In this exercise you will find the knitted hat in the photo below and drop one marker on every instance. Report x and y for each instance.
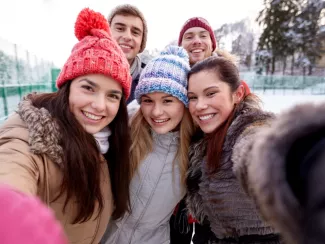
(166, 73)
(128, 9)
(198, 22)
(96, 52)
(24, 219)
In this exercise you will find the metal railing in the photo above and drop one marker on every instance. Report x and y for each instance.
(21, 73)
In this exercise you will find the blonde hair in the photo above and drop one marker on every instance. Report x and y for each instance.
(142, 142)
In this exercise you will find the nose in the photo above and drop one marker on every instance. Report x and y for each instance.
(201, 104)
(157, 110)
(99, 103)
(127, 35)
(197, 40)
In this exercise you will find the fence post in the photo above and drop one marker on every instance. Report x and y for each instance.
(18, 71)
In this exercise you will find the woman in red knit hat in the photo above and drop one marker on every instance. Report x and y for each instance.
(70, 148)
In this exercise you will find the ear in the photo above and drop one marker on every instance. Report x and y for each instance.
(238, 94)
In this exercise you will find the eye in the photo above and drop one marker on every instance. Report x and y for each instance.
(210, 94)
(118, 28)
(204, 35)
(188, 37)
(146, 100)
(192, 98)
(136, 33)
(88, 88)
(114, 96)
(168, 101)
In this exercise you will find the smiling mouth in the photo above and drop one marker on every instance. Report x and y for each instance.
(160, 121)
(125, 46)
(197, 51)
(92, 116)
(206, 117)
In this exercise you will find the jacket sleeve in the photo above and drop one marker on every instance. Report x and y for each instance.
(275, 171)
(18, 166)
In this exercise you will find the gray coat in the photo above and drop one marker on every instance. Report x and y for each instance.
(222, 198)
(155, 191)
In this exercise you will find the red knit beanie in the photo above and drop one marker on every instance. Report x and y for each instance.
(96, 52)
(197, 22)
(25, 219)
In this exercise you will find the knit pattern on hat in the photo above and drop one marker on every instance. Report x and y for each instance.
(198, 22)
(96, 52)
(166, 73)
(129, 9)
(25, 219)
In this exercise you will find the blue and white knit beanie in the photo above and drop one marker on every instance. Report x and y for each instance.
(166, 73)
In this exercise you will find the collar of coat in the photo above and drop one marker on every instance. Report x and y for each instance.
(44, 133)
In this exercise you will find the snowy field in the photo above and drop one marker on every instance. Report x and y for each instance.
(278, 102)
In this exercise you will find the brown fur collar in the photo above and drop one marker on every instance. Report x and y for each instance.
(44, 133)
(269, 182)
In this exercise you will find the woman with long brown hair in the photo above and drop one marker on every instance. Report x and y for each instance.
(229, 120)
(70, 148)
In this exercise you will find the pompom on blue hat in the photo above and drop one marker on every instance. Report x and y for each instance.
(166, 73)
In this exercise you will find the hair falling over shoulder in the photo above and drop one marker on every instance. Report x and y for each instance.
(81, 157)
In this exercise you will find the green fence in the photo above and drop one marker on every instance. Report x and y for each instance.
(21, 73)
(285, 84)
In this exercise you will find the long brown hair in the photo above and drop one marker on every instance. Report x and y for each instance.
(81, 157)
(227, 72)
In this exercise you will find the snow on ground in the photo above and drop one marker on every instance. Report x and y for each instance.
(279, 102)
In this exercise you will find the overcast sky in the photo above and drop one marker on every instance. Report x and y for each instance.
(45, 27)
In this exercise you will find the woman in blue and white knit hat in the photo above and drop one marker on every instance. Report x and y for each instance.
(161, 131)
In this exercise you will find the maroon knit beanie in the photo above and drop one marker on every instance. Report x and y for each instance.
(198, 22)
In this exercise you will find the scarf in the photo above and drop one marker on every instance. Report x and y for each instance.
(101, 138)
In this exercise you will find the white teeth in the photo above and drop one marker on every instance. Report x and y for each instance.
(124, 46)
(206, 117)
(197, 51)
(160, 120)
(92, 116)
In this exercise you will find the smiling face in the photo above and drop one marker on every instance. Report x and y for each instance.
(198, 44)
(211, 100)
(127, 30)
(162, 111)
(94, 100)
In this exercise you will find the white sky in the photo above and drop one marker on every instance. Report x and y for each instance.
(45, 27)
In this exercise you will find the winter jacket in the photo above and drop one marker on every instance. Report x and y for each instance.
(155, 191)
(31, 162)
(135, 81)
(289, 187)
(221, 199)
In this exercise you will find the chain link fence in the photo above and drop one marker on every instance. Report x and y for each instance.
(21, 72)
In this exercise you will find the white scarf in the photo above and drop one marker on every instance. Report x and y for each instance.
(135, 68)
(101, 138)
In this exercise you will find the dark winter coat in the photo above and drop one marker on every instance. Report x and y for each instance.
(222, 198)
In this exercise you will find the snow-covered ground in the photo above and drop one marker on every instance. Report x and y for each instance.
(278, 102)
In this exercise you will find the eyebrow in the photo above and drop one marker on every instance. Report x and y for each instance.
(132, 27)
(204, 89)
(97, 86)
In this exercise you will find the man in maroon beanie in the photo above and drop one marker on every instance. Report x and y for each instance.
(197, 37)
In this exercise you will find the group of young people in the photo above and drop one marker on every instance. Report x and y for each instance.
(193, 146)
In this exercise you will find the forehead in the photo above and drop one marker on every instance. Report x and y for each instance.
(203, 79)
(128, 20)
(157, 95)
(195, 30)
